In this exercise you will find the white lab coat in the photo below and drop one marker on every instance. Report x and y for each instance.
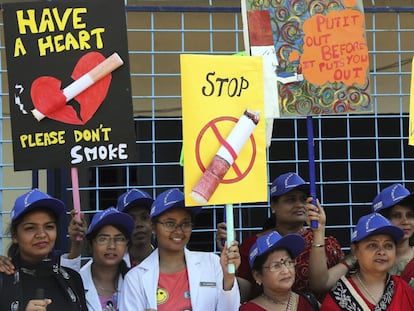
(91, 294)
(206, 284)
(127, 258)
(74, 263)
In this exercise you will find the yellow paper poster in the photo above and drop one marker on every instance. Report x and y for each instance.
(223, 129)
(411, 123)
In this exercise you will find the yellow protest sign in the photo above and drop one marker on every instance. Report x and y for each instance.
(223, 129)
(411, 122)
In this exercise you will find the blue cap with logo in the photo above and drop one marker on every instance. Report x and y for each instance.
(390, 196)
(36, 199)
(170, 199)
(293, 242)
(287, 182)
(373, 224)
(111, 216)
(133, 198)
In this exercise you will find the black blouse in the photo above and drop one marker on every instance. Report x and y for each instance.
(62, 285)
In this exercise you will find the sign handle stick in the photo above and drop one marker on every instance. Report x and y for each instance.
(75, 194)
(230, 232)
(245, 28)
(311, 155)
(223, 240)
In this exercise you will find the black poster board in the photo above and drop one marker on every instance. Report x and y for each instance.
(69, 83)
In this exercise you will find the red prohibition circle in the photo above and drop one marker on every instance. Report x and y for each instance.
(211, 125)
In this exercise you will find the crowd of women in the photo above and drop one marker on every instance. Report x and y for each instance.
(140, 260)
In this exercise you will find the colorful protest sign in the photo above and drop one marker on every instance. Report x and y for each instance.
(223, 129)
(69, 83)
(261, 44)
(323, 62)
(411, 121)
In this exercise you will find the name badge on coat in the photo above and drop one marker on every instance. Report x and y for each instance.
(208, 284)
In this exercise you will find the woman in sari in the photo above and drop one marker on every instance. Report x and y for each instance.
(396, 203)
(272, 260)
(371, 287)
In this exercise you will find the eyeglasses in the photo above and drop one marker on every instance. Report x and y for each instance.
(106, 239)
(277, 266)
(171, 226)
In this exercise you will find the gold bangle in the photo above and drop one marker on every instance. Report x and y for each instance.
(318, 245)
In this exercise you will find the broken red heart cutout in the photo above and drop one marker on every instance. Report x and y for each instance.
(48, 97)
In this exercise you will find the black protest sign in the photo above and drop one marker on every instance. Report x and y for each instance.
(69, 83)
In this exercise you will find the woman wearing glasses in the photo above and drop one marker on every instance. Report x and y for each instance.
(272, 260)
(174, 278)
(108, 236)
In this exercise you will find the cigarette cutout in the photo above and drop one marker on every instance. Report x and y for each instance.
(225, 157)
(88, 79)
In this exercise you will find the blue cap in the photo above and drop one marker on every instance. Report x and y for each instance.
(36, 199)
(390, 196)
(293, 242)
(133, 198)
(373, 224)
(111, 216)
(287, 182)
(169, 199)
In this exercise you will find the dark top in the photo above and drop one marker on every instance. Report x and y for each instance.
(63, 285)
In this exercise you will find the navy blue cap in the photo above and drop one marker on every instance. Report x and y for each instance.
(36, 199)
(390, 196)
(293, 242)
(373, 224)
(111, 216)
(132, 198)
(288, 182)
(170, 199)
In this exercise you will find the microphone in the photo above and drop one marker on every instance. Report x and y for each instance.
(40, 293)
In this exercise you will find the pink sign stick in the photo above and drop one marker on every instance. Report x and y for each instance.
(75, 194)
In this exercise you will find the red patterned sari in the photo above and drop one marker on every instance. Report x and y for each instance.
(346, 296)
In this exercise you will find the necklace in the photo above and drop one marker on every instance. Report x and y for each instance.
(106, 290)
(101, 289)
(277, 302)
(366, 290)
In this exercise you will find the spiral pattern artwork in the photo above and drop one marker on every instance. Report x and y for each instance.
(334, 82)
